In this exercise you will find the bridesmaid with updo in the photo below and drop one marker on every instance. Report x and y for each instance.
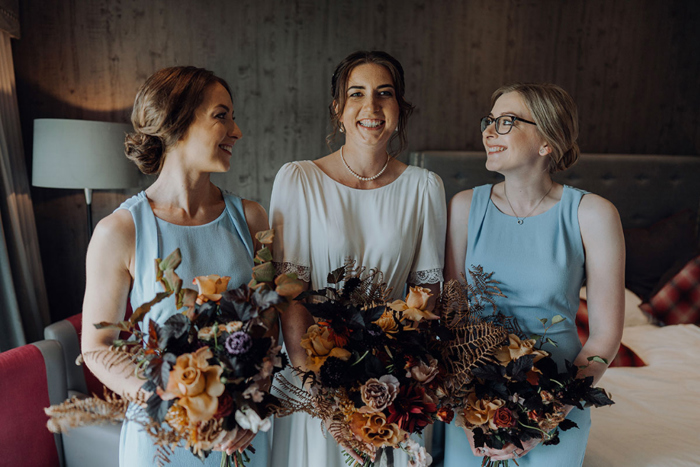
(184, 130)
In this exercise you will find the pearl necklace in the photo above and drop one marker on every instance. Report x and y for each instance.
(358, 176)
(522, 219)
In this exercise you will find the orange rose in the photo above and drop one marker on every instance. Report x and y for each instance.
(478, 412)
(210, 287)
(373, 429)
(518, 348)
(195, 384)
(387, 322)
(320, 344)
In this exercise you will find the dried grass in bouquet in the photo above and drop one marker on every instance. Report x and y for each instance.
(207, 370)
(373, 374)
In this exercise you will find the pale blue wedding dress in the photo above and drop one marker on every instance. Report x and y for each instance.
(540, 265)
(224, 247)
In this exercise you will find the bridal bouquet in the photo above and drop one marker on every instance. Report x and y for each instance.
(374, 369)
(513, 391)
(207, 370)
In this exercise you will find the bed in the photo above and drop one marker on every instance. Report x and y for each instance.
(655, 421)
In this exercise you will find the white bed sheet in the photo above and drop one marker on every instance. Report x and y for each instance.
(655, 421)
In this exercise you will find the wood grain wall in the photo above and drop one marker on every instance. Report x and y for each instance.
(632, 66)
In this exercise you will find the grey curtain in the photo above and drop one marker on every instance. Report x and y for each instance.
(23, 301)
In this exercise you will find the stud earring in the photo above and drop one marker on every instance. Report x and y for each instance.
(543, 151)
(342, 128)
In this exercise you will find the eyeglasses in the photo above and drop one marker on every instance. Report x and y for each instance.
(504, 123)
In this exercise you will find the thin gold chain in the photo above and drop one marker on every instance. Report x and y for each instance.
(522, 219)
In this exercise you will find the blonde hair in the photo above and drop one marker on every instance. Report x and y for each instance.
(556, 116)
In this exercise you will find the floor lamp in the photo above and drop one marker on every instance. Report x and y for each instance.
(82, 154)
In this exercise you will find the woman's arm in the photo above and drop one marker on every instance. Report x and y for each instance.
(256, 218)
(604, 245)
(295, 321)
(109, 264)
(456, 245)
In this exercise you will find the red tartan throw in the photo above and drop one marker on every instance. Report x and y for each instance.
(678, 301)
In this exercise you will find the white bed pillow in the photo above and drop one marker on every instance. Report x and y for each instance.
(634, 316)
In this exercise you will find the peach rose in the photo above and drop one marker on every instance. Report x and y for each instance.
(373, 429)
(424, 372)
(415, 308)
(320, 345)
(195, 384)
(518, 348)
(210, 287)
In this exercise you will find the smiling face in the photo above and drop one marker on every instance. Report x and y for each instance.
(371, 112)
(522, 148)
(208, 142)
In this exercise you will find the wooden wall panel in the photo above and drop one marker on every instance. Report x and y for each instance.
(631, 66)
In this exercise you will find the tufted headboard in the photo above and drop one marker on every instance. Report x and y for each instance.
(644, 188)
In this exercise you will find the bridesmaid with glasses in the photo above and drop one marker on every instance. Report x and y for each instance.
(542, 240)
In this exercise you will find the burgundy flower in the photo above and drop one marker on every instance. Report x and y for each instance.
(225, 405)
(411, 409)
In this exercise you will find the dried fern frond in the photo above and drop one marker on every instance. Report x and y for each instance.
(372, 288)
(116, 358)
(77, 412)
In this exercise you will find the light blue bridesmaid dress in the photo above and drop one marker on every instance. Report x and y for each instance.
(540, 265)
(224, 247)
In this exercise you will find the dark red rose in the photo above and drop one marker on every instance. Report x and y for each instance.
(225, 405)
(504, 418)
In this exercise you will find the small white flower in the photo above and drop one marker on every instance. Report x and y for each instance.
(248, 419)
(419, 457)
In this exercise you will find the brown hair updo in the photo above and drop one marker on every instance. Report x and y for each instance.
(339, 85)
(164, 108)
(556, 116)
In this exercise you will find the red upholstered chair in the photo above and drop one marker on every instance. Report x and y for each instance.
(91, 445)
(32, 377)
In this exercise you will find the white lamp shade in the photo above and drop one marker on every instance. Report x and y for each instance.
(82, 154)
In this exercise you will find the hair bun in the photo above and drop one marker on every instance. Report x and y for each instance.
(569, 158)
(145, 151)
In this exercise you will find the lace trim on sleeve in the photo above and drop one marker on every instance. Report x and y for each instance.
(430, 276)
(303, 272)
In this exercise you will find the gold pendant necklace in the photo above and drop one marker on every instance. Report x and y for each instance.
(522, 219)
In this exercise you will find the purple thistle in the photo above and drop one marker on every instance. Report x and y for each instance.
(238, 343)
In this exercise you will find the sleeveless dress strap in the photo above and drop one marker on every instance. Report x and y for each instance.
(234, 207)
(481, 198)
(146, 242)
